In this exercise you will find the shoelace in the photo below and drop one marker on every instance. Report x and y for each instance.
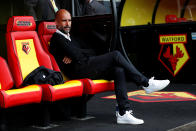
(130, 111)
(152, 78)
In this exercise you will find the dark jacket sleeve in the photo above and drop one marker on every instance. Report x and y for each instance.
(60, 47)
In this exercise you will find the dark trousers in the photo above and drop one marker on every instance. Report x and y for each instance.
(115, 66)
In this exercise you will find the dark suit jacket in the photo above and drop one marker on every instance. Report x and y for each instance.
(61, 47)
(40, 9)
(95, 8)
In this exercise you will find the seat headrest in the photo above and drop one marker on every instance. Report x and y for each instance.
(21, 23)
(171, 19)
(47, 28)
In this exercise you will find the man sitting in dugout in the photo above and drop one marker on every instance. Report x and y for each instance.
(83, 63)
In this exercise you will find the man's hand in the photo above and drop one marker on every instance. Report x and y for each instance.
(67, 60)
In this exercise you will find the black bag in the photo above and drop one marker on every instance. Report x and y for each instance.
(42, 75)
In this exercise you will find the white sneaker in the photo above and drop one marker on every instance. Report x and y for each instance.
(156, 85)
(128, 118)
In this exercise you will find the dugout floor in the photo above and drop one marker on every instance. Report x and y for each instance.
(177, 115)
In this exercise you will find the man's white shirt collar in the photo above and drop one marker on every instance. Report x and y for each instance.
(65, 35)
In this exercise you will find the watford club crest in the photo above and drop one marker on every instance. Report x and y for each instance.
(161, 96)
(173, 54)
(26, 47)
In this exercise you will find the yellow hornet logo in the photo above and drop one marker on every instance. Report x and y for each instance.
(173, 54)
(25, 47)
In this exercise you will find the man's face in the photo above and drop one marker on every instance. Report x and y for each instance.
(64, 22)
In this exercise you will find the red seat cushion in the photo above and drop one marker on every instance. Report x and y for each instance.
(97, 86)
(14, 97)
(67, 90)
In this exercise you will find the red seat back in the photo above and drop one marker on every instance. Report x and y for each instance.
(45, 32)
(24, 49)
(6, 81)
(171, 19)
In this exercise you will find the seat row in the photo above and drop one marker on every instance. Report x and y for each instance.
(25, 52)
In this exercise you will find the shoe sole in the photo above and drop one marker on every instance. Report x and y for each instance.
(120, 122)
